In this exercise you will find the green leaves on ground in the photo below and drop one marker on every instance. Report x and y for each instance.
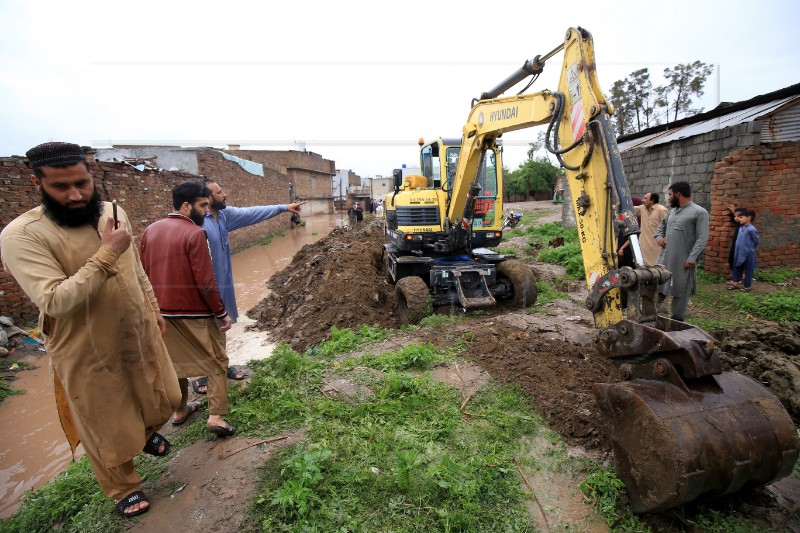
(402, 457)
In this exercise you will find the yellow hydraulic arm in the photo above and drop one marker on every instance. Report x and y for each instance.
(577, 107)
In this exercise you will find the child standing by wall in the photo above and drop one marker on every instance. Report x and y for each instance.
(744, 258)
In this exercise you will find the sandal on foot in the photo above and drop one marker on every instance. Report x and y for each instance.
(234, 373)
(223, 431)
(200, 382)
(192, 407)
(154, 443)
(745, 289)
(130, 500)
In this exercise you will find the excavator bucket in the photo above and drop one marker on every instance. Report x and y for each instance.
(674, 445)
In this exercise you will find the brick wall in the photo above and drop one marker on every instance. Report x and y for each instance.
(766, 179)
(146, 197)
(245, 189)
(652, 169)
(309, 172)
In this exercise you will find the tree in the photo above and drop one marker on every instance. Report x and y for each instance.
(620, 99)
(637, 103)
(642, 98)
(537, 175)
(683, 81)
(634, 102)
(537, 146)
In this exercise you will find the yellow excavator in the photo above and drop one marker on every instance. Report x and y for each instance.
(681, 428)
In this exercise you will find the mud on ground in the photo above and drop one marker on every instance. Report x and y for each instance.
(339, 281)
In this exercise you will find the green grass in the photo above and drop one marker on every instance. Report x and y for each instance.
(776, 275)
(607, 493)
(8, 369)
(547, 292)
(713, 306)
(346, 340)
(569, 255)
(401, 459)
(398, 456)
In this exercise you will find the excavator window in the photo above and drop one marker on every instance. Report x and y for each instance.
(451, 159)
(430, 164)
(485, 202)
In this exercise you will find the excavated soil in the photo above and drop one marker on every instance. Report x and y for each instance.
(337, 281)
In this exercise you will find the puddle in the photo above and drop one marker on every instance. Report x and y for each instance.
(34, 450)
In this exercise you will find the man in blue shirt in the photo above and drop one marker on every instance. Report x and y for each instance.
(220, 220)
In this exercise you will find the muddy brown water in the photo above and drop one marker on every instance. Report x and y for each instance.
(34, 450)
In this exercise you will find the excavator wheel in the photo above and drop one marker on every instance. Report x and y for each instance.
(522, 282)
(413, 301)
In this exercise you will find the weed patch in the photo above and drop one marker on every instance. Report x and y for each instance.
(403, 459)
(547, 292)
(346, 340)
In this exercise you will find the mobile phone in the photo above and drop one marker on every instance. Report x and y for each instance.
(114, 213)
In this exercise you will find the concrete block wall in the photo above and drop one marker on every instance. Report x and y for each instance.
(653, 169)
(766, 179)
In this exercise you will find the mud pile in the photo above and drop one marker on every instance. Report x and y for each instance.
(337, 281)
(770, 354)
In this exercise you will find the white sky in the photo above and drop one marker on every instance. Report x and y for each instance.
(358, 82)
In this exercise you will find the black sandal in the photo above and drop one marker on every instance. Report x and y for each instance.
(154, 443)
(132, 499)
(200, 382)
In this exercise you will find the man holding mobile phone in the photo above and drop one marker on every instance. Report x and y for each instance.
(114, 383)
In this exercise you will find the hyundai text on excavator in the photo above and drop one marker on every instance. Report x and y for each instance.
(681, 428)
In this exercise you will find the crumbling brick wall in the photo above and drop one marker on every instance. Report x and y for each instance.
(146, 196)
(309, 173)
(245, 189)
(766, 179)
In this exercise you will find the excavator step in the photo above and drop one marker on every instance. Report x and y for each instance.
(484, 299)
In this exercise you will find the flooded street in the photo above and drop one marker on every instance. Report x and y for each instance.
(34, 448)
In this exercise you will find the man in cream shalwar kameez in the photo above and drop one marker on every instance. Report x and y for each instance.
(115, 384)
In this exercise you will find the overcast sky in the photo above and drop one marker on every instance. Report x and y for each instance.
(357, 82)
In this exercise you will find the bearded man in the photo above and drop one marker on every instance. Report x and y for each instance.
(683, 236)
(176, 258)
(114, 383)
(221, 219)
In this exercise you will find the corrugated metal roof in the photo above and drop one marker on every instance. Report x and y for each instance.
(782, 124)
(698, 128)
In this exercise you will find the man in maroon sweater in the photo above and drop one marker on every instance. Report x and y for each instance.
(176, 258)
